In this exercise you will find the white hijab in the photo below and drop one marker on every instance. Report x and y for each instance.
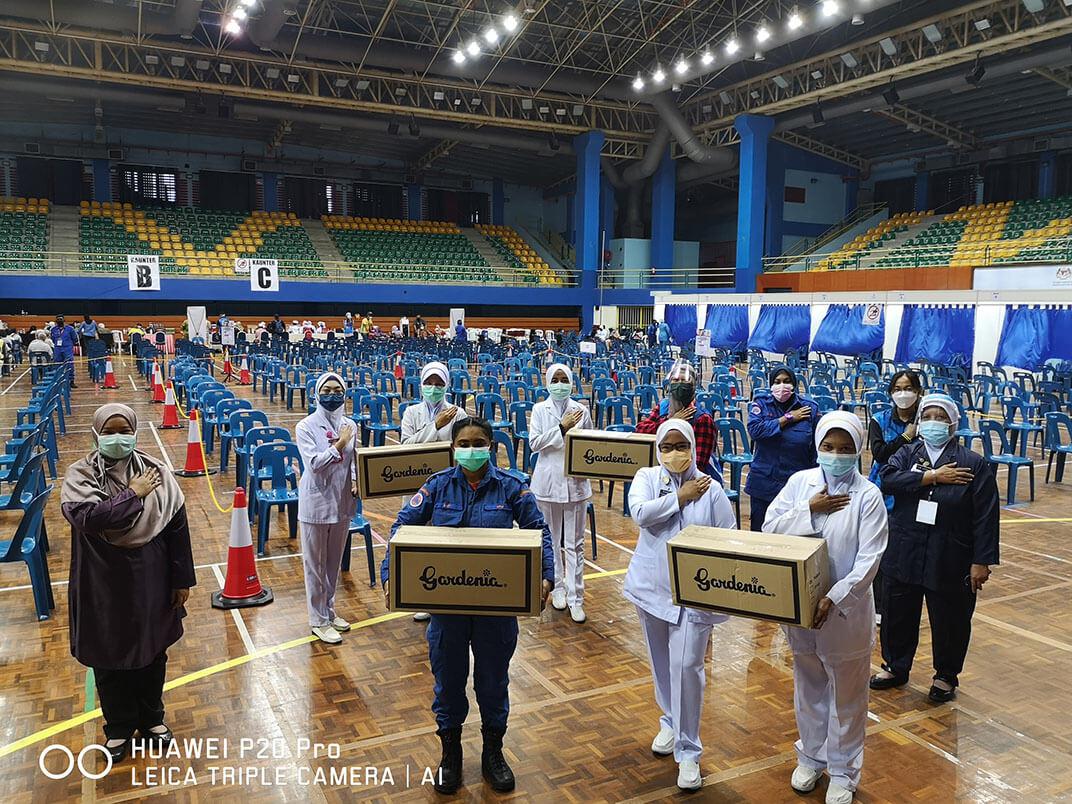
(686, 430)
(849, 423)
(333, 418)
(559, 405)
(947, 404)
(439, 370)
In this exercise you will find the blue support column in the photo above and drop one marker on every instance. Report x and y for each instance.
(271, 191)
(1047, 180)
(663, 207)
(755, 131)
(413, 202)
(773, 231)
(607, 210)
(498, 203)
(852, 194)
(570, 234)
(102, 180)
(923, 191)
(585, 220)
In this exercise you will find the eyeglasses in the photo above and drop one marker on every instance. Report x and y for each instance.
(666, 449)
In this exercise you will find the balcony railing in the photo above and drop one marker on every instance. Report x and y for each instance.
(671, 279)
(1037, 253)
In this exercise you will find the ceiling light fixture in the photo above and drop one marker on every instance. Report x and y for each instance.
(732, 46)
(247, 3)
(888, 46)
(233, 28)
(458, 57)
(795, 21)
(762, 34)
(707, 58)
(240, 13)
(932, 33)
(638, 83)
(857, 19)
(829, 8)
(491, 36)
(510, 22)
(681, 67)
(473, 49)
(1034, 6)
(758, 56)
(658, 76)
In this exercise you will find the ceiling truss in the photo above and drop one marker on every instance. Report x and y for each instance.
(918, 121)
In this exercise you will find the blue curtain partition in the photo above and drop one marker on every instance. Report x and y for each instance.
(1033, 335)
(728, 325)
(843, 332)
(937, 334)
(781, 327)
(681, 318)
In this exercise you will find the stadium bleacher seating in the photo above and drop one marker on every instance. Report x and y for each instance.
(23, 233)
(1036, 230)
(193, 241)
(519, 254)
(392, 249)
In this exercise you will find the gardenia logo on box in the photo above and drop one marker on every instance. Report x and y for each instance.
(431, 581)
(389, 474)
(591, 457)
(705, 583)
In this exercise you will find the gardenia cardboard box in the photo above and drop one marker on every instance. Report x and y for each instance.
(466, 571)
(603, 455)
(399, 470)
(764, 576)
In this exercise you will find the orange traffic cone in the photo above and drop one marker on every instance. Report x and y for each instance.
(243, 376)
(171, 411)
(158, 383)
(109, 376)
(195, 457)
(228, 370)
(242, 587)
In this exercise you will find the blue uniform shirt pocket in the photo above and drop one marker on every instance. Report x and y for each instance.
(496, 515)
(447, 514)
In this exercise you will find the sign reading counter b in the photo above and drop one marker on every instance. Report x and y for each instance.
(603, 455)
(764, 576)
(485, 571)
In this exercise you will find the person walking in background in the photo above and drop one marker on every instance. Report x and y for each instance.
(64, 338)
(460, 331)
(653, 332)
(664, 334)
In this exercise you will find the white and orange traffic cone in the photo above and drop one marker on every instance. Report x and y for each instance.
(171, 410)
(195, 456)
(243, 376)
(109, 376)
(242, 587)
(158, 383)
(228, 369)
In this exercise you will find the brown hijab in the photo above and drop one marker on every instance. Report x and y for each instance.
(96, 479)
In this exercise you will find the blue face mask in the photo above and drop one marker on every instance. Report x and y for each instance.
(934, 433)
(837, 465)
(332, 401)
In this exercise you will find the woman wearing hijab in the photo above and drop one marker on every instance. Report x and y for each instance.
(431, 419)
(894, 427)
(943, 541)
(832, 661)
(562, 500)
(680, 404)
(326, 501)
(781, 424)
(663, 500)
(131, 573)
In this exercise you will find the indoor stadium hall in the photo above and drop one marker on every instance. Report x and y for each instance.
(536, 400)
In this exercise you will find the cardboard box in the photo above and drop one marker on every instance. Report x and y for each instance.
(399, 469)
(602, 455)
(764, 576)
(486, 571)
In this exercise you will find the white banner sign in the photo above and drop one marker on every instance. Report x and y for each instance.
(197, 322)
(241, 266)
(143, 271)
(588, 347)
(703, 343)
(1035, 277)
(456, 314)
(227, 334)
(263, 275)
(872, 315)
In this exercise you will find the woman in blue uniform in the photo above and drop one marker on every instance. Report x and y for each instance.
(894, 427)
(943, 540)
(781, 424)
(473, 494)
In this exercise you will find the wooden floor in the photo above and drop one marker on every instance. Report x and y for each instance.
(583, 714)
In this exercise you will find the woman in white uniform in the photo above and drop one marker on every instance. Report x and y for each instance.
(832, 662)
(326, 501)
(430, 420)
(562, 500)
(664, 499)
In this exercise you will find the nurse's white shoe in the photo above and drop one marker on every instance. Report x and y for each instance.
(804, 779)
(421, 616)
(836, 794)
(688, 775)
(663, 744)
(577, 614)
(558, 599)
(327, 633)
(339, 624)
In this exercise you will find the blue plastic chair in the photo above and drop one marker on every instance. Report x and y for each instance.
(1005, 457)
(386, 385)
(460, 387)
(239, 424)
(1018, 422)
(647, 397)
(379, 422)
(504, 439)
(736, 450)
(359, 524)
(615, 410)
(492, 407)
(590, 510)
(209, 417)
(11, 464)
(519, 415)
(47, 426)
(275, 461)
(517, 391)
(26, 545)
(295, 382)
(1057, 446)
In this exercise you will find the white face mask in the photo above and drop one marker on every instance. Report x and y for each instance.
(904, 399)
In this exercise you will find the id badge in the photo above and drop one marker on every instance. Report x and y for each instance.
(927, 513)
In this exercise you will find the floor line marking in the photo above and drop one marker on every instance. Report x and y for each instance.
(1045, 640)
(133, 384)
(603, 538)
(159, 443)
(1036, 553)
(13, 382)
(240, 624)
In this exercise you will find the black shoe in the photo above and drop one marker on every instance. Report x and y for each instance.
(118, 752)
(449, 775)
(163, 738)
(492, 762)
(879, 683)
(940, 696)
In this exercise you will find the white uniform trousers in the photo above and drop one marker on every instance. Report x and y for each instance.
(566, 523)
(322, 548)
(676, 653)
(831, 708)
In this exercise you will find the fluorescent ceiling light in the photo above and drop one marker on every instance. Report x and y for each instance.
(762, 34)
(458, 57)
(491, 36)
(829, 8)
(473, 49)
(510, 22)
(732, 46)
(681, 67)
(709, 57)
(795, 21)
(638, 83)
(658, 76)
(232, 27)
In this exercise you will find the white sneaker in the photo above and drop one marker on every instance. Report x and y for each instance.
(421, 616)
(340, 624)
(836, 794)
(804, 779)
(663, 744)
(577, 613)
(688, 775)
(558, 599)
(327, 633)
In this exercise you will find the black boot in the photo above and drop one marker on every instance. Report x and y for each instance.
(493, 763)
(449, 775)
